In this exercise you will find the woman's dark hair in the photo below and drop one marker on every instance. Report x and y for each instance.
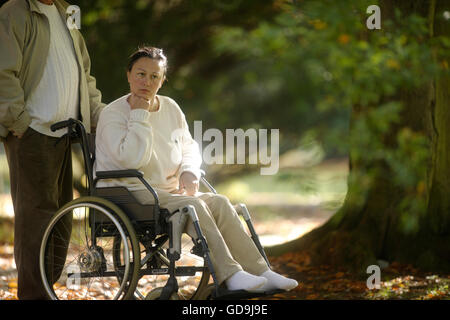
(149, 52)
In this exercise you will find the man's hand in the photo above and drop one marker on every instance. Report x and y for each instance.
(18, 135)
(188, 183)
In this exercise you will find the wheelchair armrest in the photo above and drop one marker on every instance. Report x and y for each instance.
(115, 174)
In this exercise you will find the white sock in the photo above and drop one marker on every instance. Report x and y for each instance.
(277, 281)
(242, 280)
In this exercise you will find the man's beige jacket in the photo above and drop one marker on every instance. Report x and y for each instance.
(24, 46)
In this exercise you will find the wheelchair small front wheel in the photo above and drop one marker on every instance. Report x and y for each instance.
(76, 253)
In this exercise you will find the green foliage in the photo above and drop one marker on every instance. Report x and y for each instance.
(297, 66)
(327, 63)
(301, 66)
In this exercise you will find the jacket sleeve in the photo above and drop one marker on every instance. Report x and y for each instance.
(191, 157)
(127, 142)
(95, 96)
(13, 116)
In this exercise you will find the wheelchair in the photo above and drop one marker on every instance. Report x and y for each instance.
(105, 245)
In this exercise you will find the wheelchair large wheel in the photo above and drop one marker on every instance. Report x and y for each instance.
(192, 273)
(76, 259)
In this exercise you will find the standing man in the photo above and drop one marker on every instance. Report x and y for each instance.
(44, 78)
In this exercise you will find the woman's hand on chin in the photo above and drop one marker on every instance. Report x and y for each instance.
(138, 102)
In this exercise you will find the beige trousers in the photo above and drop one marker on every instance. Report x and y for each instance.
(231, 248)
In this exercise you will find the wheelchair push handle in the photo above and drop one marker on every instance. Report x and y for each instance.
(62, 124)
(75, 129)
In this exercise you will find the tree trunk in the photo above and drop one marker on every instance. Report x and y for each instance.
(369, 226)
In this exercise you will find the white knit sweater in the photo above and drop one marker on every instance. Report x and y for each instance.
(157, 143)
(56, 96)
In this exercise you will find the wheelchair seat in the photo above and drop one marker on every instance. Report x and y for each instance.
(124, 199)
(148, 219)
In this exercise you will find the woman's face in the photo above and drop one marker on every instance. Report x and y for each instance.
(146, 77)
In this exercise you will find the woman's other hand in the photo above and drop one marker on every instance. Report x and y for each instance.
(188, 183)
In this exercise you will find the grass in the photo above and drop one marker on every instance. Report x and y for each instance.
(323, 184)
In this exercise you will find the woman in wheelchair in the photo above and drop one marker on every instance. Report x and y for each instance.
(148, 132)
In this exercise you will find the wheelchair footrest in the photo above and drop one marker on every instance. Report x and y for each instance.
(225, 294)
